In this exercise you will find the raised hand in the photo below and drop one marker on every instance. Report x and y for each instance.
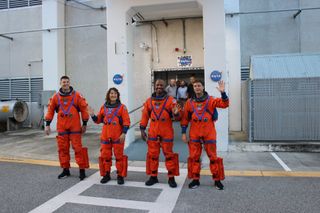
(221, 86)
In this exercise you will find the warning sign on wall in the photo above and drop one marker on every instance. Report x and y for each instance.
(185, 61)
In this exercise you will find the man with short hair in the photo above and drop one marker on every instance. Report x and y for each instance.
(182, 94)
(190, 90)
(171, 89)
(160, 108)
(200, 111)
(68, 104)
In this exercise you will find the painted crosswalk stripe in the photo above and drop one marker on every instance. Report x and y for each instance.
(165, 202)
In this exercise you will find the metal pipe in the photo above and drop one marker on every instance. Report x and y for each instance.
(184, 36)
(156, 40)
(56, 28)
(168, 19)
(7, 37)
(30, 93)
(273, 11)
(89, 6)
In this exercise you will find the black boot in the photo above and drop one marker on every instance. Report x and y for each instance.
(64, 173)
(172, 183)
(120, 180)
(82, 174)
(152, 180)
(106, 178)
(218, 184)
(194, 184)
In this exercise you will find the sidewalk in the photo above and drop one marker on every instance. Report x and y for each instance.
(28, 145)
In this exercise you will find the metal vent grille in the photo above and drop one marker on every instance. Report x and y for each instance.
(3, 4)
(4, 89)
(36, 88)
(245, 73)
(8, 4)
(285, 109)
(11, 89)
(35, 2)
(20, 89)
(18, 3)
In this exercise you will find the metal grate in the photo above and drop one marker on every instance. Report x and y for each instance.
(18, 3)
(8, 4)
(36, 88)
(18, 88)
(4, 89)
(245, 73)
(35, 2)
(285, 109)
(3, 4)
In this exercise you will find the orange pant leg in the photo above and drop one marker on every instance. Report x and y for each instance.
(106, 156)
(172, 161)
(63, 150)
(153, 158)
(216, 163)
(194, 165)
(77, 147)
(118, 153)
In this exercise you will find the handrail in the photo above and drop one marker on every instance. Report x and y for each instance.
(131, 111)
(135, 109)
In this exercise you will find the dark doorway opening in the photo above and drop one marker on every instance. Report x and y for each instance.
(178, 75)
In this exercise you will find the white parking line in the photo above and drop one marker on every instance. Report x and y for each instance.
(284, 166)
(164, 203)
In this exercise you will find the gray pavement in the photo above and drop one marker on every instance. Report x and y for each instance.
(251, 183)
(25, 187)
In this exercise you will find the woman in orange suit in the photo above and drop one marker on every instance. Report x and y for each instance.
(200, 112)
(115, 117)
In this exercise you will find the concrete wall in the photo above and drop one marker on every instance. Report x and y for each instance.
(273, 33)
(86, 51)
(171, 36)
(142, 64)
(25, 48)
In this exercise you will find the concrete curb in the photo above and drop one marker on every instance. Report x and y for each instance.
(274, 147)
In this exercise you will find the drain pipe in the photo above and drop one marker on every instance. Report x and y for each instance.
(156, 40)
(184, 36)
(30, 92)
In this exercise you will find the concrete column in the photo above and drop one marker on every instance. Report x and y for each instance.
(120, 48)
(53, 45)
(233, 63)
(215, 59)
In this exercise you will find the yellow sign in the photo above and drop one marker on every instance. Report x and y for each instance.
(5, 109)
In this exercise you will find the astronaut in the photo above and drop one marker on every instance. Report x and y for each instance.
(200, 112)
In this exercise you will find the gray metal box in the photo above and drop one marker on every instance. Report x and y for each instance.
(45, 96)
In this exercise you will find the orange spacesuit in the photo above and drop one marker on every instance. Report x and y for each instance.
(160, 111)
(68, 105)
(201, 113)
(116, 121)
